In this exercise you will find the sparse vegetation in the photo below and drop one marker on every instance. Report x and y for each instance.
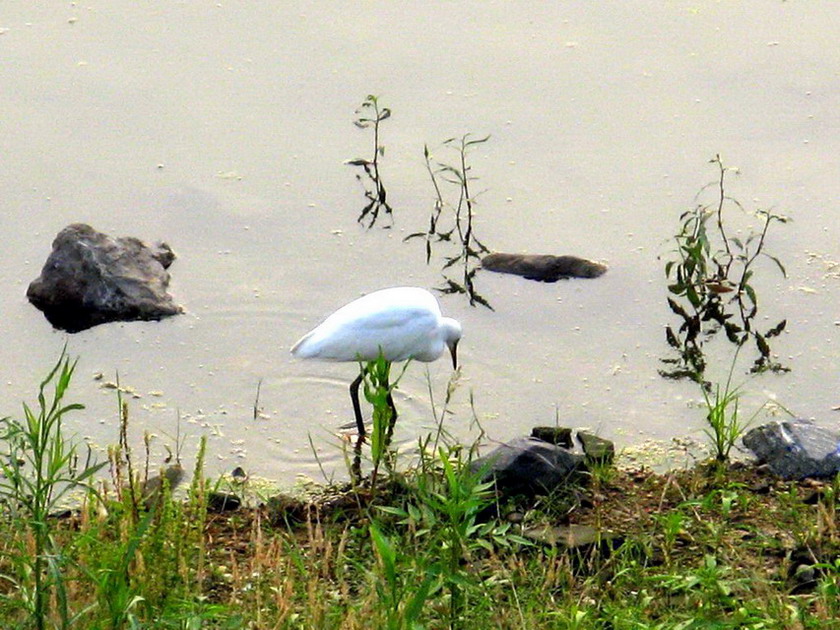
(449, 222)
(708, 547)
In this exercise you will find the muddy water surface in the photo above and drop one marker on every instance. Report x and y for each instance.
(223, 128)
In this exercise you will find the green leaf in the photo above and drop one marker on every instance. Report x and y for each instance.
(777, 329)
(692, 296)
(671, 338)
(389, 509)
(469, 143)
(779, 264)
(386, 553)
(415, 605)
(679, 310)
(519, 540)
(763, 346)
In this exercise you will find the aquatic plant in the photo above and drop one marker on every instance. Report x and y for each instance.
(458, 217)
(370, 116)
(711, 285)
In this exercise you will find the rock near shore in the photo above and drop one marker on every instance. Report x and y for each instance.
(528, 466)
(91, 278)
(795, 449)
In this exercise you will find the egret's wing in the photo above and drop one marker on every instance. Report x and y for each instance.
(400, 331)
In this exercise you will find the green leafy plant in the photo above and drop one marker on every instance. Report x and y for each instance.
(710, 584)
(378, 390)
(711, 282)
(447, 498)
(399, 595)
(673, 524)
(725, 426)
(370, 116)
(118, 598)
(711, 286)
(41, 468)
(146, 560)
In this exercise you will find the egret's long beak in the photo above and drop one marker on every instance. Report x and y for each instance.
(453, 348)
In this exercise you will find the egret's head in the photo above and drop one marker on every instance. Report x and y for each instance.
(452, 335)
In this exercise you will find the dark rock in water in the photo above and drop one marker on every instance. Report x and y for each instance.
(91, 278)
(795, 449)
(528, 466)
(561, 436)
(543, 267)
(597, 449)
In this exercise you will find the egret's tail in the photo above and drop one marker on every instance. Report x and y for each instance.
(300, 349)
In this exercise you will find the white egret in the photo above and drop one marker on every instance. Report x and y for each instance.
(400, 323)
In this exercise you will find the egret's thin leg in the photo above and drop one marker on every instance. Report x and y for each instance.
(393, 409)
(356, 467)
(357, 408)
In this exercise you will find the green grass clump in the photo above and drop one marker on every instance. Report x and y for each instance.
(37, 471)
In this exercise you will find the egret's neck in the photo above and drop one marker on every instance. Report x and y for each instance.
(451, 329)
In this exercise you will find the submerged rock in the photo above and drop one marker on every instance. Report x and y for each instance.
(527, 465)
(543, 267)
(91, 278)
(795, 449)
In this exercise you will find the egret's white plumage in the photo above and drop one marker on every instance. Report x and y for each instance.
(403, 322)
(400, 324)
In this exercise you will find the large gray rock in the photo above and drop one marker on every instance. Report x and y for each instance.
(529, 466)
(795, 449)
(91, 278)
